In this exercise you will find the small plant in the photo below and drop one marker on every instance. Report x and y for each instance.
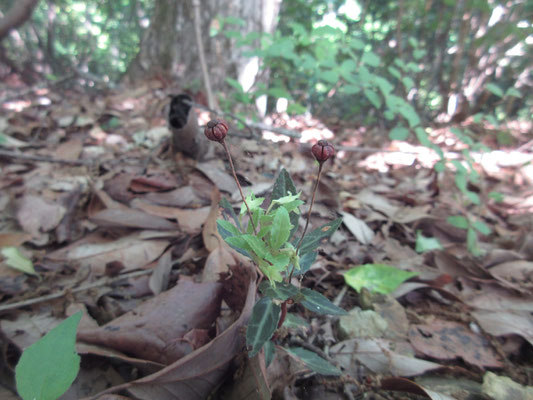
(268, 240)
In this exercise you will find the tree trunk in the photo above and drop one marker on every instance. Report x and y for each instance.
(168, 48)
(19, 13)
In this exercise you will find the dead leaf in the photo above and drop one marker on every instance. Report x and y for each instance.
(358, 228)
(13, 239)
(182, 197)
(448, 340)
(499, 323)
(196, 375)
(69, 150)
(95, 252)
(35, 215)
(190, 221)
(159, 279)
(210, 234)
(405, 385)
(380, 356)
(217, 262)
(153, 331)
(131, 218)
(218, 176)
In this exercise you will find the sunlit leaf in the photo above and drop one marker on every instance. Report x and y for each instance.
(48, 367)
(15, 259)
(379, 278)
(424, 244)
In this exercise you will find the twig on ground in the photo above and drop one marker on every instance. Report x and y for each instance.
(28, 157)
(52, 296)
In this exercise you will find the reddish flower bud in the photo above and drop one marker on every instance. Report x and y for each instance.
(216, 130)
(323, 151)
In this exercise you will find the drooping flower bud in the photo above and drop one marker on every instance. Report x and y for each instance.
(216, 130)
(322, 151)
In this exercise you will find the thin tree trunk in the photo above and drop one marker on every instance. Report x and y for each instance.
(19, 13)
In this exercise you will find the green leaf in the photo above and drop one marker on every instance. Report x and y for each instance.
(394, 72)
(228, 210)
(314, 362)
(440, 166)
(320, 304)
(399, 133)
(15, 259)
(494, 89)
(424, 244)
(228, 226)
(262, 324)
(356, 44)
(473, 197)
(270, 352)
(330, 76)
(256, 245)
(497, 196)
(471, 242)
(379, 278)
(458, 221)
(253, 202)
(313, 239)
(238, 243)
(294, 321)
(305, 262)
(283, 186)
(48, 367)
(408, 82)
(235, 84)
(513, 92)
(422, 137)
(371, 59)
(481, 228)
(373, 98)
(281, 228)
(282, 292)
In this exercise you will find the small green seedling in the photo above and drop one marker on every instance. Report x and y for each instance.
(268, 240)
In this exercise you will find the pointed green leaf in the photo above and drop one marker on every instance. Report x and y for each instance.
(283, 186)
(379, 278)
(494, 89)
(256, 245)
(281, 228)
(424, 244)
(48, 367)
(15, 259)
(262, 324)
(481, 227)
(313, 239)
(282, 292)
(371, 59)
(373, 98)
(228, 226)
(458, 221)
(229, 211)
(270, 352)
(305, 262)
(399, 133)
(320, 304)
(314, 361)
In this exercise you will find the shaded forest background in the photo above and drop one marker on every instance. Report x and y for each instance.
(401, 64)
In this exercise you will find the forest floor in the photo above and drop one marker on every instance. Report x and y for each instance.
(116, 226)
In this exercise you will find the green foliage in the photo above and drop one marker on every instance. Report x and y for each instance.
(269, 246)
(424, 244)
(379, 278)
(15, 259)
(263, 322)
(313, 361)
(48, 367)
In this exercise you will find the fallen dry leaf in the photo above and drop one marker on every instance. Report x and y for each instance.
(448, 340)
(154, 330)
(358, 228)
(96, 251)
(36, 216)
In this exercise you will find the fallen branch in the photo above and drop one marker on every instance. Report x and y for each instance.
(28, 157)
(52, 296)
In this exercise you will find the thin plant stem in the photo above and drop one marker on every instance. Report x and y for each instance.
(308, 215)
(237, 182)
